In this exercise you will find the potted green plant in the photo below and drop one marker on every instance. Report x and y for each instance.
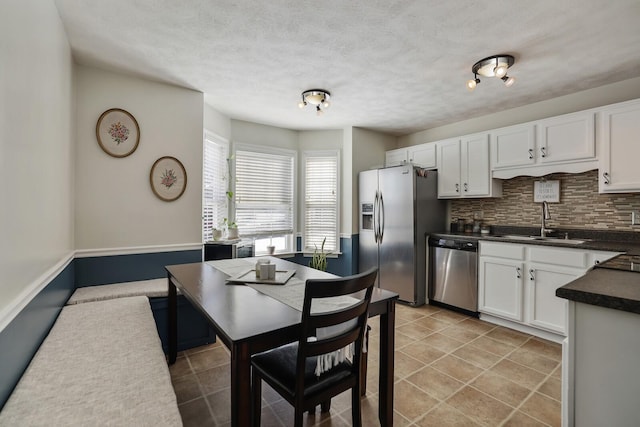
(319, 259)
(231, 228)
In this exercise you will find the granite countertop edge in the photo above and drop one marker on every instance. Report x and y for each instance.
(618, 290)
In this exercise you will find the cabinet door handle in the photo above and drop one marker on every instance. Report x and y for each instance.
(531, 276)
(543, 151)
(457, 188)
(607, 178)
(466, 187)
(518, 275)
(530, 154)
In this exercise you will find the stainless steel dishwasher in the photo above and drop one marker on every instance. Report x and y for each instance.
(454, 278)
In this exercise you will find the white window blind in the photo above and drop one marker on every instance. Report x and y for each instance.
(321, 200)
(214, 185)
(264, 192)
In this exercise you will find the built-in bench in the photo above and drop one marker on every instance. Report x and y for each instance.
(193, 329)
(154, 288)
(102, 363)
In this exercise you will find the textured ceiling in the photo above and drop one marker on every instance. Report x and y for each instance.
(392, 66)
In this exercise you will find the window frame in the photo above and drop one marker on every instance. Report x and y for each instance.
(211, 137)
(259, 240)
(307, 250)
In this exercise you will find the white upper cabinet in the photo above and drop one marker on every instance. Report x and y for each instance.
(423, 155)
(464, 168)
(619, 133)
(568, 138)
(559, 144)
(513, 146)
(396, 157)
(449, 168)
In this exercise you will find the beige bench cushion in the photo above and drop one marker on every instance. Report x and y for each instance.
(101, 364)
(149, 288)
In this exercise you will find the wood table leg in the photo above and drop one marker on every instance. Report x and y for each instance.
(240, 385)
(173, 322)
(387, 348)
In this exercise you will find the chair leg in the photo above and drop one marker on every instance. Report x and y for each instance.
(325, 406)
(297, 421)
(356, 416)
(256, 404)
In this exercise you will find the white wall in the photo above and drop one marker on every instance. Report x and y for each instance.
(257, 134)
(368, 153)
(36, 147)
(591, 98)
(217, 122)
(115, 207)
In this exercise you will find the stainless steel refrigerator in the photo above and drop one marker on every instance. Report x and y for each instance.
(398, 206)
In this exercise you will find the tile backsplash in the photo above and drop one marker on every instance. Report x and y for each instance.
(581, 206)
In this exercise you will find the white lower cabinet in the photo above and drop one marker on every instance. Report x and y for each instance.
(518, 282)
(502, 288)
(545, 309)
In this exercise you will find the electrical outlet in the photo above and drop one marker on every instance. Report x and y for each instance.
(635, 217)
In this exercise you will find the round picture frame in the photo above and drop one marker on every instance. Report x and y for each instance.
(168, 178)
(117, 132)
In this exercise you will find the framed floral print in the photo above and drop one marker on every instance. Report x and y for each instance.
(168, 178)
(117, 132)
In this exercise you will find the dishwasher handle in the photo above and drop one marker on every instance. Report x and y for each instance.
(460, 245)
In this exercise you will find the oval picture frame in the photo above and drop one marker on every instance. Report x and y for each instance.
(117, 132)
(168, 178)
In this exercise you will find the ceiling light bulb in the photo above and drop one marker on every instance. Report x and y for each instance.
(501, 70)
(301, 104)
(319, 111)
(325, 104)
(471, 84)
(508, 81)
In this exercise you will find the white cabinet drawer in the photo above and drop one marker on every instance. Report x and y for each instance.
(502, 250)
(560, 256)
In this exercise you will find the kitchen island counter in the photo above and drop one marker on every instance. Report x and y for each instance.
(619, 290)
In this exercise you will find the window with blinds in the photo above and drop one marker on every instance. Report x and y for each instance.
(321, 196)
(265, 195)
(214, 184)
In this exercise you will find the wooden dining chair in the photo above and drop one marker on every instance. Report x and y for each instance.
(290, 369)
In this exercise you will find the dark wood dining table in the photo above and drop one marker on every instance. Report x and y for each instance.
(249, 322)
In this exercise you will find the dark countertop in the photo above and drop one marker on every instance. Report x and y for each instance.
(619, 290)
(592, 241)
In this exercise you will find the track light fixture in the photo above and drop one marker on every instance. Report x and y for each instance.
(317, 97)
(492, 66)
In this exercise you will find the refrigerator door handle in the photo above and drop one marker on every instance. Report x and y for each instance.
(375, 217)
(381, 220)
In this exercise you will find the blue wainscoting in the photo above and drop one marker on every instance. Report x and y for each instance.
(102, 270)
(20, 339)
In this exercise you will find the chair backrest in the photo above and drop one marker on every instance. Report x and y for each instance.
(350, 320)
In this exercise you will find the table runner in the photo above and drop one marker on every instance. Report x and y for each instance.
(291, 293)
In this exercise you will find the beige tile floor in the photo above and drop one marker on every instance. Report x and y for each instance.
(450, 370)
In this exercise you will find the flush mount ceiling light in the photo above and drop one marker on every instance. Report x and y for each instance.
(492, 66)
(317, 97)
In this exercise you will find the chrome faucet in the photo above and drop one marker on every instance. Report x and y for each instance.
(545, 216)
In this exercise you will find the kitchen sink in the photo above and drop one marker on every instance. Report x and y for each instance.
(517, 237)
(560, 240)
(540, 238)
